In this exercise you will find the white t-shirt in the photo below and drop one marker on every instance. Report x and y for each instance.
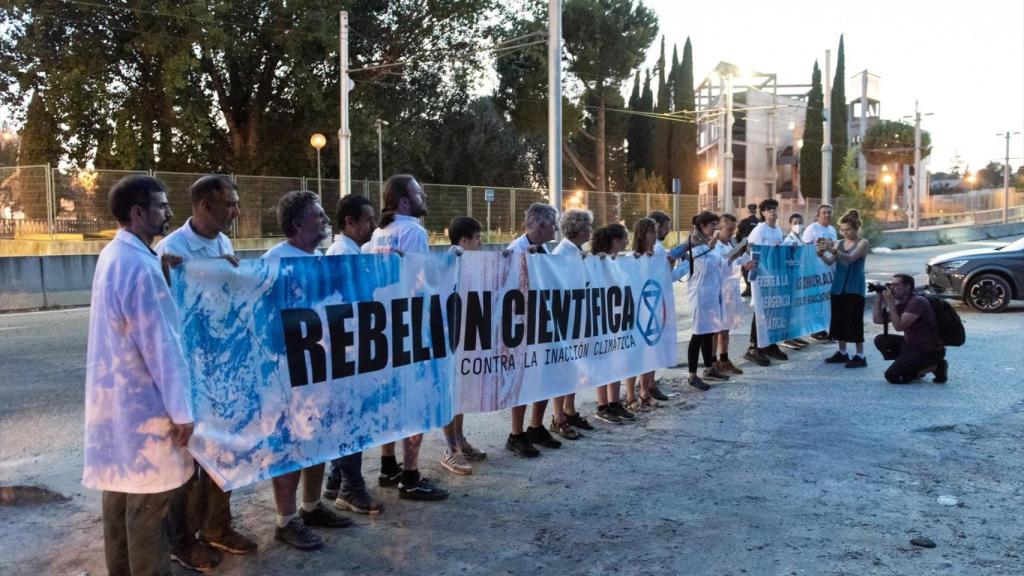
(815, 231)
(287, 250)
(343, 246)
(186, 243)
(404, 233)
(567, 247)
(765, 235)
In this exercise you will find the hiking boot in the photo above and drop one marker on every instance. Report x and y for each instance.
(322, 516)
(197, 557)
(715, 374)
(360, 502)
(838, 358)
(389, 479)
(455, 462)
(657, 394)
(697, 383)
(775, 353)
(297, 535)
(619, 410)
(521, 445)
(471, 453)
(941, 372)
(857, 362)
(821, 337)
(727, 367)
(577, 421)
(542, 437)
(423, 489)
(230, 541)
(604, 414)
(757, 356)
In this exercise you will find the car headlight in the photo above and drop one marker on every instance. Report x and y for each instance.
(952, 264)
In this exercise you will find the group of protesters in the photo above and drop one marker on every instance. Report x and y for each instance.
(159, 506)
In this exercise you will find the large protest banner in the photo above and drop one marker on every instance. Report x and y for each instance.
(297, 361)
(560, 324)
(791, 293)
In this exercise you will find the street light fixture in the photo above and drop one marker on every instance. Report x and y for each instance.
(712, 174)
(318, 141)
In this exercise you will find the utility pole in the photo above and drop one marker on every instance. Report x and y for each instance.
(862, 161)
(1006, 177)
(826, 146)
(555, 104)
(727, 187)
(344, 134)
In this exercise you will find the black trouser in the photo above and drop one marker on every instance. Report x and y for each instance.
(700, 344)
(910, 361)
(200, 506)
(347, 474)
(134, 541)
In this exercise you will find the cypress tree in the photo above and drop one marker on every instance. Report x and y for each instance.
(810, 154)
(645, 156)
(662, 147)
(40, 135)
(684, 137)
(634, 129)
(840, 117)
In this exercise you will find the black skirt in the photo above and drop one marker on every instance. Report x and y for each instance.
(847, 323)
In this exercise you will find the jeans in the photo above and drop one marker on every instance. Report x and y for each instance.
(134, 541)
(200, 506)
(909, 361)
(347, 474)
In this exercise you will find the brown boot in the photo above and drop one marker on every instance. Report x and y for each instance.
(726, 366)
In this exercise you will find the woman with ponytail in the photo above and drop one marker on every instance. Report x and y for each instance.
(848, 286)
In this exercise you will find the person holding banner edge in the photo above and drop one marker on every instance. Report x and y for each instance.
(645, 237)
(848, 286)
(766, 233)
(306, 225)
(609, 241)
(202, 511)
(541, 223)
(820, 228)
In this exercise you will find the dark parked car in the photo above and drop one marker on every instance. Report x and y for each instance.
(987, 278)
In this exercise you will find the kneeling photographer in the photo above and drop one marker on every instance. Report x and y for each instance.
(920, 350)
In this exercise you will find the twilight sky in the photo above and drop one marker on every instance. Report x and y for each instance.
(963, 61)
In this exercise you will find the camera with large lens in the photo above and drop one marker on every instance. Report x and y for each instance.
(878, 288)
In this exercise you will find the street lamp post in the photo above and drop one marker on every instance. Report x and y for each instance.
(1006, 177)
(380, 124)
(318, 141)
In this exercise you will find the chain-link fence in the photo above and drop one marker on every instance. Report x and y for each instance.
(37, 201)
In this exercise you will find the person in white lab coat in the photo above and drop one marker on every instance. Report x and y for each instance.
(704, 290)
(732, 300)
(137, 418)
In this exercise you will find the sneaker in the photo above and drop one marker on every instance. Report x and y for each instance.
(715, 374)
(941, 372)
(471, 453)
(386, 480)
(577, 421)
(605, 414)
(775, 353)
(790, 344)
(757, 356)
(359, 502)
(565, 430)
(619, 410)
(803, 343)
(726, 367)
(230, 541)
(821, 337)
(542, 437)
(656, 394)
(297, 535)
(521, 445)
(697, 383)
(423, 489)
(330, 494)
(857, 362)
(197, 557)
(837, 358)
(455, 462)
(322, 516)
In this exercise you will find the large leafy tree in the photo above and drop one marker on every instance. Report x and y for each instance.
(889, 142)
(810, 154)
(605, 40)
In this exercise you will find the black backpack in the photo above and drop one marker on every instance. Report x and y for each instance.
(951, 327)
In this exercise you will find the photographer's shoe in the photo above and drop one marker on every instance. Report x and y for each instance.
(941, 373)
(837, 358)
(857, 362)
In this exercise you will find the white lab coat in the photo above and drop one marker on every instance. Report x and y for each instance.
(732, 286)
(704, 289)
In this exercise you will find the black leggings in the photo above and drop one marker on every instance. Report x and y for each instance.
(700, 344)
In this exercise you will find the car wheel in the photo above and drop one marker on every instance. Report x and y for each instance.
(988, 293)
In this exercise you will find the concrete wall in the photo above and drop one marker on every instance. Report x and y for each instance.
(949, 235)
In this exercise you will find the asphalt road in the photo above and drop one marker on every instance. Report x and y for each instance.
(794, 469)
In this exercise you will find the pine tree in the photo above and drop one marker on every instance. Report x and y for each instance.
(684, 136)
(662, 146)
(810, 154)
(634, 129)
(40, 135)
(645, 156)
(840, 117)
